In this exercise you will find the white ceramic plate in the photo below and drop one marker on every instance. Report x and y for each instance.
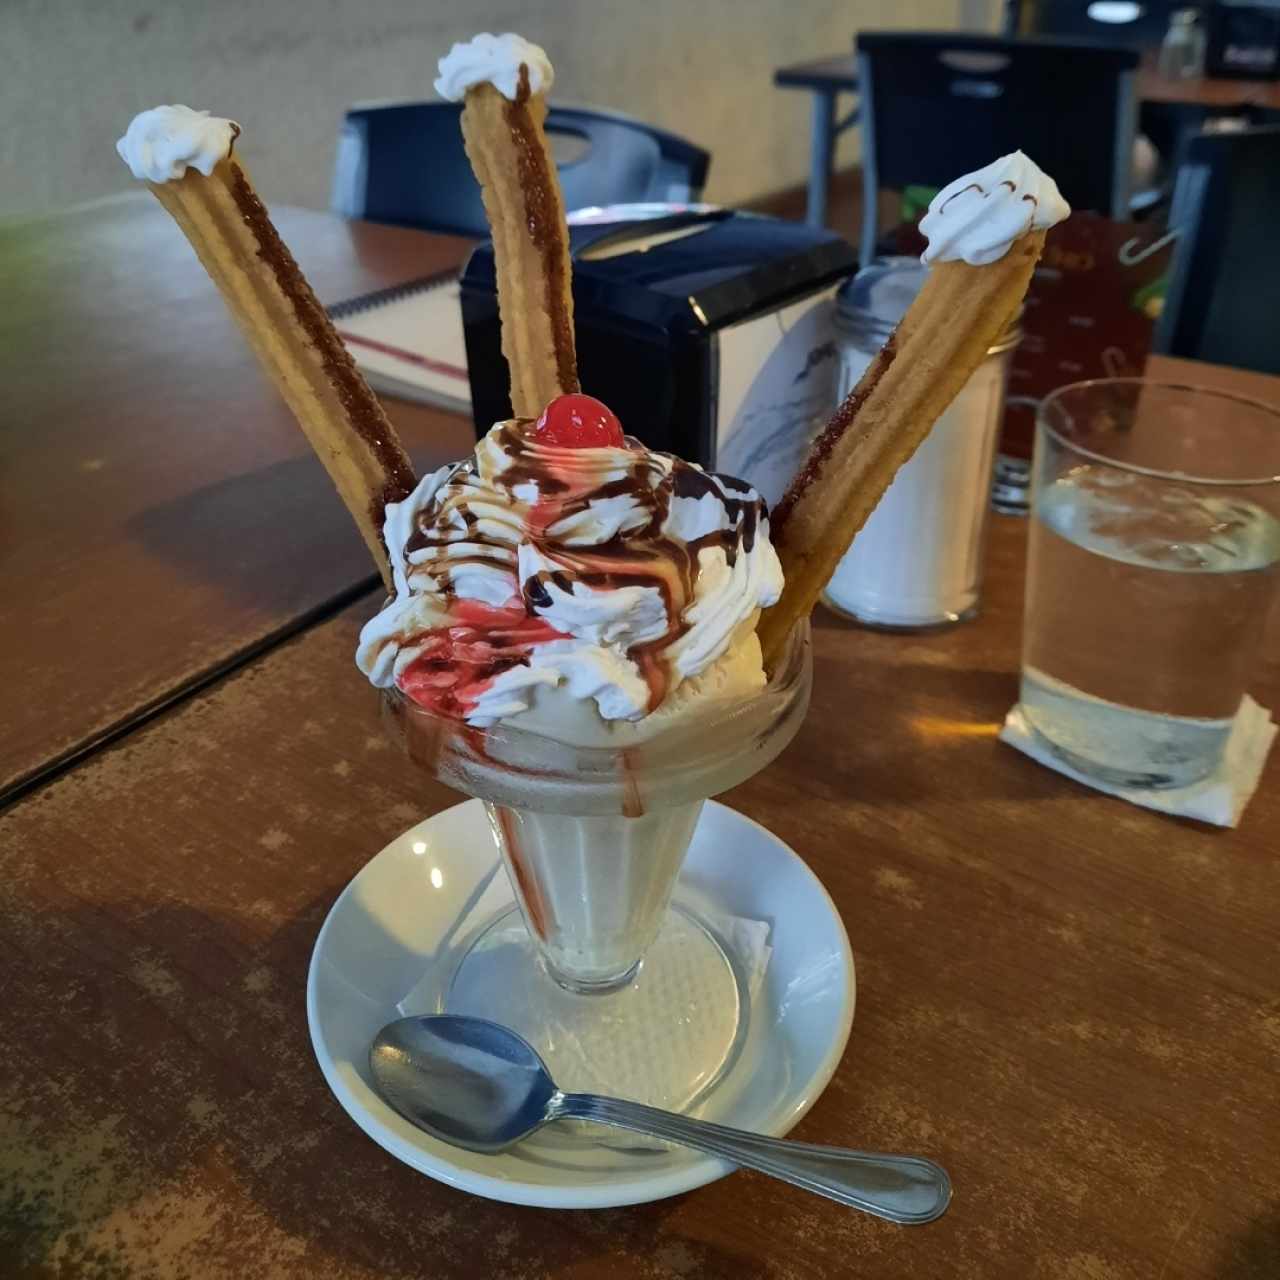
(400, 915)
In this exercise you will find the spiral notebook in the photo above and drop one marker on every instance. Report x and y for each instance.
(408, 342)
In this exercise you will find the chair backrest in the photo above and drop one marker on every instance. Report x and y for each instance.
(1221, 303)
(1139, 23)
(936, 105)
(405, 163)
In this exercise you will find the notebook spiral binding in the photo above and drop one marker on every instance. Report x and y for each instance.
(393, 293)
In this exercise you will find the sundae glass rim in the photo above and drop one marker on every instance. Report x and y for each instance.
(701, 754)
(782, 681)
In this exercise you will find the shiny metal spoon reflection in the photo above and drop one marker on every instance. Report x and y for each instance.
(479, 1086)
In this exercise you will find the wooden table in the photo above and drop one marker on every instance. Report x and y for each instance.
(1067, 1000)
(827, 78)
(162, 515)
(1206, 91)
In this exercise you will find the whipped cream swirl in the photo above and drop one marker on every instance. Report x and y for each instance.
(978, 217)
(494, 60)
(612, 573)
(160, 145)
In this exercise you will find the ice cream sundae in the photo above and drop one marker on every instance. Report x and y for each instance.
(590, 636)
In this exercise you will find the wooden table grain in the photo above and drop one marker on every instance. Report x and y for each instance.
(1066, 1000)
(1069, 1001)
(161, 515)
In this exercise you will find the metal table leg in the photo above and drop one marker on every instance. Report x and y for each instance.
(822, 133)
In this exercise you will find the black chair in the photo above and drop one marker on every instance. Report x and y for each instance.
(1225, 279)
(939, 104)
(1141, 25)
(404, 163)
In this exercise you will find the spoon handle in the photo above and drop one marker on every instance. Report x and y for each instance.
(906, 1189)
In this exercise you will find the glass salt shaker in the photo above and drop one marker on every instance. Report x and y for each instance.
(917, 562)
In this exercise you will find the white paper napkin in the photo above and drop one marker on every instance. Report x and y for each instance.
(1220, 798)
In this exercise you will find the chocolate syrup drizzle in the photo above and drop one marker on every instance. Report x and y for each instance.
(642, 556)
(1027, 197)
(359, 403)
(544, 220)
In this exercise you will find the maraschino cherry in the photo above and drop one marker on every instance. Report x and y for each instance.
(579, 422)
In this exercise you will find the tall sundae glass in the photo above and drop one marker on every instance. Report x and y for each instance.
(572, 641)
(593, 837)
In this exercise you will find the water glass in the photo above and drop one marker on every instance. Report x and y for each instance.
(1152, 569)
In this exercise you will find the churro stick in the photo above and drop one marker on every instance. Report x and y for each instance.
(503, 81)
(186, 159)
(942, 339)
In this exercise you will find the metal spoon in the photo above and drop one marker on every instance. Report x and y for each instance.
(479, 1086)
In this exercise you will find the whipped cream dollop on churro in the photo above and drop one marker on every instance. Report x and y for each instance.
(160, 145)
(566, 563)
(976, 218)
(495, 60)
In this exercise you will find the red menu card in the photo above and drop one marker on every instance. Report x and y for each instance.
(1090, 312)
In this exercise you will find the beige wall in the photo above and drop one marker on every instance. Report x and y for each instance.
(75, 72)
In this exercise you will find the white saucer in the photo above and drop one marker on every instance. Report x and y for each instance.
(399, 918)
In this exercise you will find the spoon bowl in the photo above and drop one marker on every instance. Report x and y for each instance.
(466, 1081)
(478, 1085)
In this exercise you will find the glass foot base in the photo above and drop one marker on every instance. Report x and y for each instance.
(1118, 745)
(665, 1038)
(1130, 779)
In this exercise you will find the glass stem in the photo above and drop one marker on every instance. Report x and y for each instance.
(593, 890)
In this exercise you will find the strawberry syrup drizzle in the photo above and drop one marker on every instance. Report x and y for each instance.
(527, 886)
(459, 662)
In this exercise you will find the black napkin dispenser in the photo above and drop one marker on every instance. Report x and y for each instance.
(707, 331)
